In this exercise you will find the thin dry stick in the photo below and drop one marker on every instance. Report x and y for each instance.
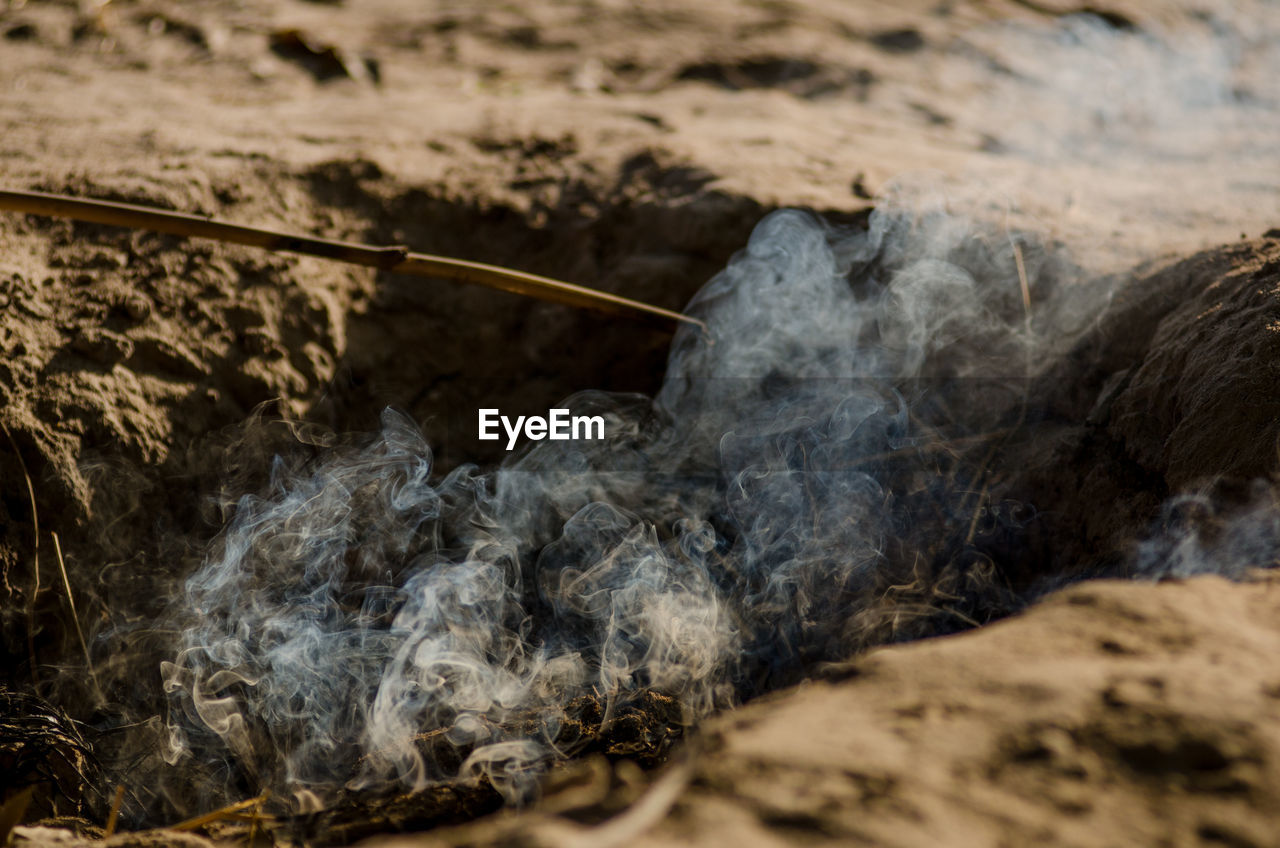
(1022, 281)
(397, 260)
(977, 512)
(230, 811)
(114, 815)
(253, 824)
(71, 604)
(35, 588)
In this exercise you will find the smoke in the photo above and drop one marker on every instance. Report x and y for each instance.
(814, 476)
(1196, 535)
(813, 451)
(1126, 140)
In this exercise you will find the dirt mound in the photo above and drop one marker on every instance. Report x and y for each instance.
(1171, 392)
(1203, 401)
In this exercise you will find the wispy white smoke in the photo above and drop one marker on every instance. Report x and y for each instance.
(721, 540)
(1196, 535)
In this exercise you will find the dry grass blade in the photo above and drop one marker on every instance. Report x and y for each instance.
(1025, 287)
(35, 568)
(229, 812)
(71, 605)
(394, 259)
(977, 513)
(1022, 282)
(114, 815)
(45, 745)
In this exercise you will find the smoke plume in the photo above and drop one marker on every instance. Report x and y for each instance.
(813, 477)
(811, 453)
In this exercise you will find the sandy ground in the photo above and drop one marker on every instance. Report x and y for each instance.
(1113, 714)
(633, 146)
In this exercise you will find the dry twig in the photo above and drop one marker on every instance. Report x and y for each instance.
(231, 811)
(1022, 283)
(114, 815)
(397, 260)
